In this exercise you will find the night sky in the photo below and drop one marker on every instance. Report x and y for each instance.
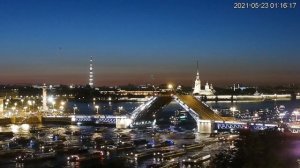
(147, 41)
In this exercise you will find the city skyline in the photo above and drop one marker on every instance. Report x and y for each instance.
(142, 42)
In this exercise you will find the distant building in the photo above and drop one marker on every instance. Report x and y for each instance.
(137, 92)
(179, 87)
(208, 89)
(7, 93)
(238, 87)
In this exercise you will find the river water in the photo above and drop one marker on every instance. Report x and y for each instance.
(290, 105)
(162, 117)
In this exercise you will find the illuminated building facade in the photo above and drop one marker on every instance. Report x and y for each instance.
(197, 86)
(208, 89)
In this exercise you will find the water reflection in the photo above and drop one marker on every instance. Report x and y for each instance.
(24, 128)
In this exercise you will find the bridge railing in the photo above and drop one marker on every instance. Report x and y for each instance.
(205, 103)
(187, 108)
(142, 107)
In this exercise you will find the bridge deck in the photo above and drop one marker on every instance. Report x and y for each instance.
(147, 113)
(205, 113)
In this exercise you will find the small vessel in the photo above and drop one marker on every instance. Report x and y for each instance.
(100, 129)
(196, 159)
(85, 157)
(173, 154)
(189, 135)
(35, 130)
(281, 108)
(193, 146)
(154, 165)
(33, 157)
(12, 152)
(6, 135)
(140, 141)
(183, 135)
(142, 154)
(73, 149)
(125, 146)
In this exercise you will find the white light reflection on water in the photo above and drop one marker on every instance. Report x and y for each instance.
(14, 128)
(24, 128)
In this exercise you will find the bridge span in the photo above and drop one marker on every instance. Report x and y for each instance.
(146, 114)
(206, 118)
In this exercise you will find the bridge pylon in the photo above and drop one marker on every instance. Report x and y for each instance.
(123, 122)
(205, 126)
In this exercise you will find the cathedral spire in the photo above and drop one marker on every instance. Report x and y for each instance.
(197, 68)
(197, 86)
(197, 75)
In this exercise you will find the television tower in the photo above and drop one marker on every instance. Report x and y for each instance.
(91, 76)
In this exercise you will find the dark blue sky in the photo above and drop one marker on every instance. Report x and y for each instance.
(131, 40)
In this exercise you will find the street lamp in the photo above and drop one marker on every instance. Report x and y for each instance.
(62, 104)
(120, 108)
(14, 108)
(53, 103)
(281, 115)
(74, 109)
(25, 108)
(33, 103)
(296, 112)
(170, 86)
(6, 104)
(233, 109)
(29, 103)
(22, 100)
(97, 108)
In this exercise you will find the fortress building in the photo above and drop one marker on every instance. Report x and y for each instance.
(208, 89)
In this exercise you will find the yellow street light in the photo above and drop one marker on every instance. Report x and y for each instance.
(170, 86)
(97, 108)
(296, 112)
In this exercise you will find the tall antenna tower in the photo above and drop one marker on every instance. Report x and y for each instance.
(91, 76)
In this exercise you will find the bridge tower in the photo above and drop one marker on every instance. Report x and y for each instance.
(205, 126)
(123, 122)
(197, 87)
